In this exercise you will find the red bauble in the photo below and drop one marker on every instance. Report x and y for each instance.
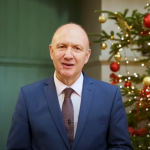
(146, 21)
(127, 84)
(144, 33)
(114, 66)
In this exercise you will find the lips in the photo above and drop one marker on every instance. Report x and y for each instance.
(67, 65)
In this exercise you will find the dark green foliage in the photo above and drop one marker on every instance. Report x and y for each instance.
(137, 100)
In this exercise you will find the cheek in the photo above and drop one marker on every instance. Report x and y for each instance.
(57, 58)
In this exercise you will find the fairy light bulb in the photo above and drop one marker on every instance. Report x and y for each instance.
(127, 62)
(128, 72)
(142, 64)
(120, 86)
(146, 109)
(130, 111)
(122, 38)
(141, 99)
(129, 100)
(148, 43)
(125, 79)
(125, 58)
(132, 87)
(120, 80)
(129, 78)
(127, 35)
(119, 75)
(135, 59)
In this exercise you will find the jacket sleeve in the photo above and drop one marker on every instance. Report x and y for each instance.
(118, 135)
(20, 134)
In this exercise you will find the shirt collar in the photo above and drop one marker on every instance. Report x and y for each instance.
(77, 86)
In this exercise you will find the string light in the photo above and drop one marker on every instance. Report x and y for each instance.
(119, 75)
(146, 109)
(129, 78)
(120, 86)
(125, 58)
(128, 40)
(130, 111)
(129, 100)
(128, 72)
(126, 80)
(135, 59)
(141, 99)
(122, 38)
(118, 27)
(120, 80)
(127, 35)
(120, 49)
(127, 61)
(132, 87)
(142, 65)
(148, 43)
(119, 45)
(147, 135)
(134, 97)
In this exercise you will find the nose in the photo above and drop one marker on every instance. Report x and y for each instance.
(68, 53)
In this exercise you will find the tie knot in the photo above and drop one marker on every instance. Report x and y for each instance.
(68, 92)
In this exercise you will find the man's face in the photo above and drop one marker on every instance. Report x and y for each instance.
(69, 52)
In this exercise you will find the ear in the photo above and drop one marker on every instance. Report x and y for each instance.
(51, 51)
(88, 54)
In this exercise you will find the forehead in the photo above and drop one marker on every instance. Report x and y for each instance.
(75, 35)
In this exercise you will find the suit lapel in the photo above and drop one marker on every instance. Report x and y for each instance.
(53, 104)
(86, 100)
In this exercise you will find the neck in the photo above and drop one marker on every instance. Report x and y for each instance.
(67, 80)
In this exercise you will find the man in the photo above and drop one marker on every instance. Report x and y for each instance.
(92, 117)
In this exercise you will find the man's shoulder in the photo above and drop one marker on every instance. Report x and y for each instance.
(37, 84)
(101, 85)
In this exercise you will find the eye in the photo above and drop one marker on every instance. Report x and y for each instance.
(61, 47)
(77, 48)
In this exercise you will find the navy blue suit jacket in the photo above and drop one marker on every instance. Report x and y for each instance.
(38, 125)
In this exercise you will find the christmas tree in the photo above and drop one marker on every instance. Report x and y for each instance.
(135, 35)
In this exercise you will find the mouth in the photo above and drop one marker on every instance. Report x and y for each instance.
(67, 65)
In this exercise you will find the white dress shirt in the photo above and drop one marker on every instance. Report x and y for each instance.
(75, 96)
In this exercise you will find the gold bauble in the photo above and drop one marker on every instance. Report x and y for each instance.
(146, 81)
(118, 56)
(103, 46)
(102, 18)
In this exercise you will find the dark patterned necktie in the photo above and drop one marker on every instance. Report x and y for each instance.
(68, 114)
